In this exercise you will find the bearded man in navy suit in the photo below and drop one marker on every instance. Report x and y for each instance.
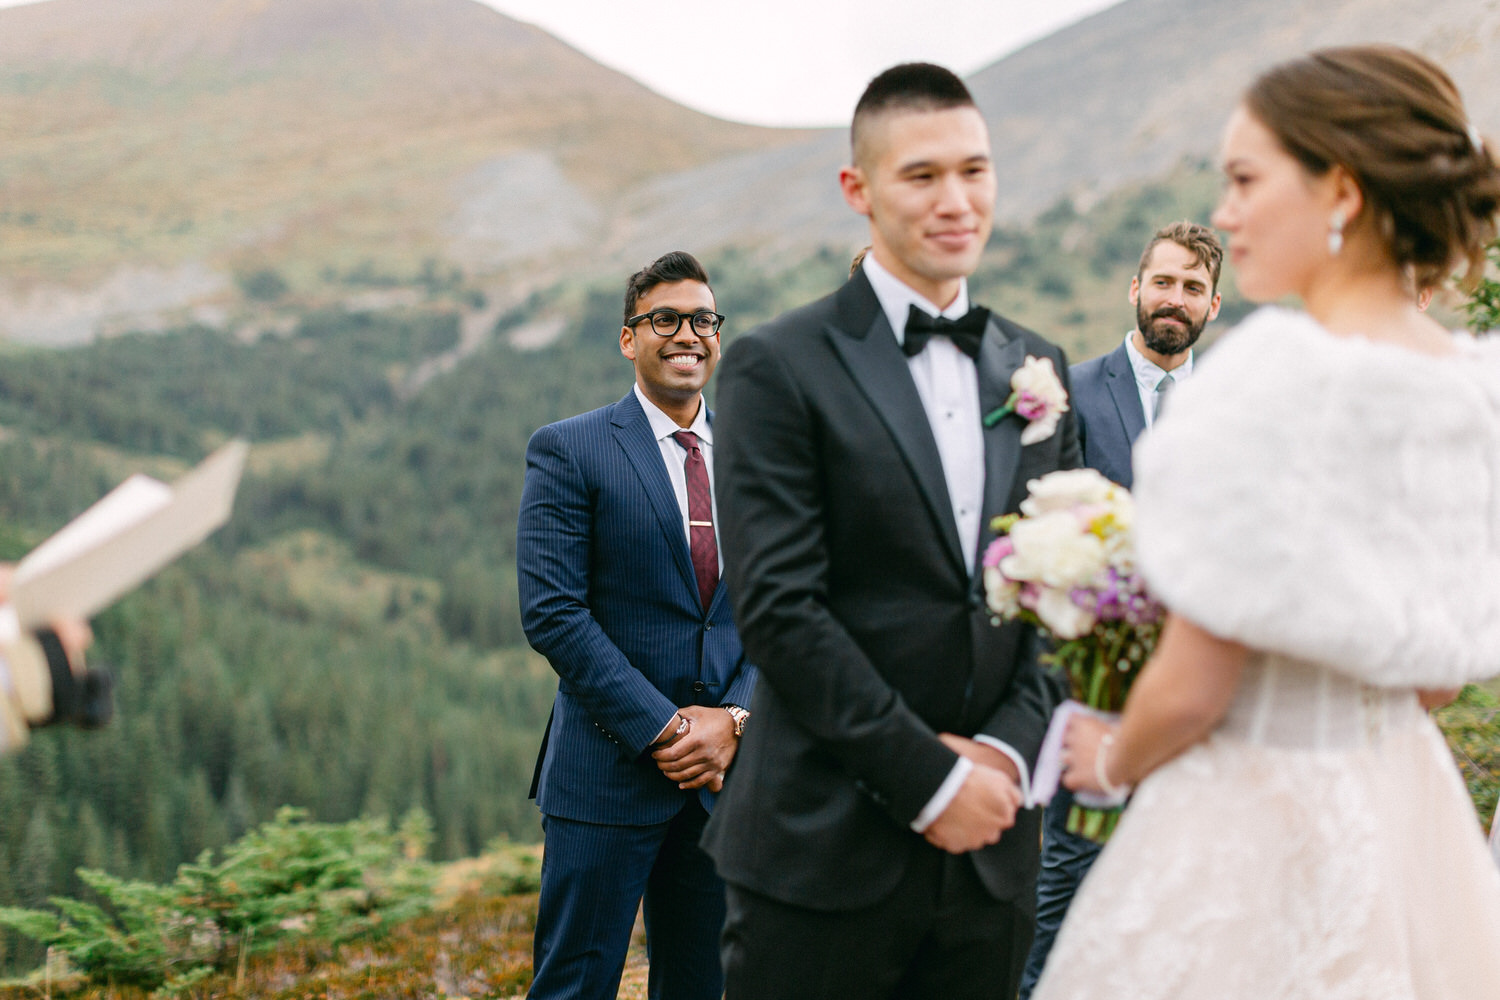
(1117, 397)
(1175, 295)
(618, 569)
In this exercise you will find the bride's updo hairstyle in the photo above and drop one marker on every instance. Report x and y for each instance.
(1396, 122)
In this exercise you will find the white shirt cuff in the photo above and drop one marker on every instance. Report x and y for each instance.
(944, 796)
(1020, 762)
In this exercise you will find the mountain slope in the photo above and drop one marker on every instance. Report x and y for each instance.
(1123, 96)
(1133, 90)
(157, 149)
(312, 133)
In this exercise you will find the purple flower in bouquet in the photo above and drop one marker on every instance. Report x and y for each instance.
(1066, 563)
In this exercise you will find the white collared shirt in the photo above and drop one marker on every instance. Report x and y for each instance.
(947, 381)
(1148, 375)
(674, 457)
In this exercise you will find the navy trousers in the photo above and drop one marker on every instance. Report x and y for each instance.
(593, 879)
(1066, 859)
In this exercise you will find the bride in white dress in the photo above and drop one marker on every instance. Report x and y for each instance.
(1320, 509)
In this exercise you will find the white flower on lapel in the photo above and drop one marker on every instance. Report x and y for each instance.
(1038, 396)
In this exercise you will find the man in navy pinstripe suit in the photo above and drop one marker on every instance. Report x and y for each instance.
(617, 561)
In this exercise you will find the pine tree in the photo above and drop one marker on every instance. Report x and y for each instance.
(239, 814)
(36, 866)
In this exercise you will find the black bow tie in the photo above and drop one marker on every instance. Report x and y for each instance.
(965, 332)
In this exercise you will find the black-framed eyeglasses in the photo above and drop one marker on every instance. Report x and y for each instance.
(666, 322)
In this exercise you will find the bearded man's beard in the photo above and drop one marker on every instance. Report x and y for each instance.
(1164, 338)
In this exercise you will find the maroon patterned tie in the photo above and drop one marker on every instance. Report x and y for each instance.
(705, 547)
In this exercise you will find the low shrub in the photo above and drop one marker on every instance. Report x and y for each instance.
(289, 878)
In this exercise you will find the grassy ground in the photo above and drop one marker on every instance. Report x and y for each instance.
(477, 941)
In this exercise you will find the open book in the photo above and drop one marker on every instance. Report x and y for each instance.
(132, 532)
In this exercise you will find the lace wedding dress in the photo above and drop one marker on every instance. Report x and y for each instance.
(1334, 505)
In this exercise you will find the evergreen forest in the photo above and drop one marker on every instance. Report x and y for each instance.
(350, 644)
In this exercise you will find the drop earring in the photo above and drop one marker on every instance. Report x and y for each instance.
(1336, 232)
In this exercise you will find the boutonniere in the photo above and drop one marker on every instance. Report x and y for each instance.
(1038, 396)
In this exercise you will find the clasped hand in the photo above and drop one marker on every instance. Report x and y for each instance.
(986, 803)
(699, 756)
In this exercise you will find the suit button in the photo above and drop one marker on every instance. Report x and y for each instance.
(708, 626)
(699, 687)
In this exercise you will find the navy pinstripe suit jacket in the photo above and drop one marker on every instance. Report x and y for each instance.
(608, 595)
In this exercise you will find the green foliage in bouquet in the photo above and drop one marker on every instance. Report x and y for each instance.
(1102, 666)
(1100, 669)
(288, 878)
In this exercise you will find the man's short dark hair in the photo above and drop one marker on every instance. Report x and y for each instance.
(1202, 242)
(679, 265)
(907, 87)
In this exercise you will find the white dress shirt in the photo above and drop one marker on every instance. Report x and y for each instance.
(674, 457)
(947, 381)
(1148, 375)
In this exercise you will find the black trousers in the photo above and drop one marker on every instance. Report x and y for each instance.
(939, 935)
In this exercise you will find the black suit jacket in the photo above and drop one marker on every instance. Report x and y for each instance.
(853, 597)
(1109, 411)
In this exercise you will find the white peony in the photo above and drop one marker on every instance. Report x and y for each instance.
(1062, 617)
(1117, 524)
(1000, 594)
(1069, 488)
(1054, 550)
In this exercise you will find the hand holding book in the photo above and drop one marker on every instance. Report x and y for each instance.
(45, 600)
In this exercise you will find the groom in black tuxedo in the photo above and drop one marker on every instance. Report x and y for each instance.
(871, 832)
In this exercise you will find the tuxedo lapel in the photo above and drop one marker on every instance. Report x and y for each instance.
(633, 432)
(868, 349)
(1121, 381)
(1000, 355)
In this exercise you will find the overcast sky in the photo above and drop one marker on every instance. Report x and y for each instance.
(786, 62)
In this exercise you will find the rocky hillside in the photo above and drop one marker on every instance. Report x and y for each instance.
(164, 155)
(156, 148)
(1123, 96)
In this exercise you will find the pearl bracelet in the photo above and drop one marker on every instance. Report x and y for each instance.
(1100, 769)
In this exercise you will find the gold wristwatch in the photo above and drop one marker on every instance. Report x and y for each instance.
(740, 717)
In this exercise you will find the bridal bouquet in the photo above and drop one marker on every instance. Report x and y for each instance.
(1066, 564)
